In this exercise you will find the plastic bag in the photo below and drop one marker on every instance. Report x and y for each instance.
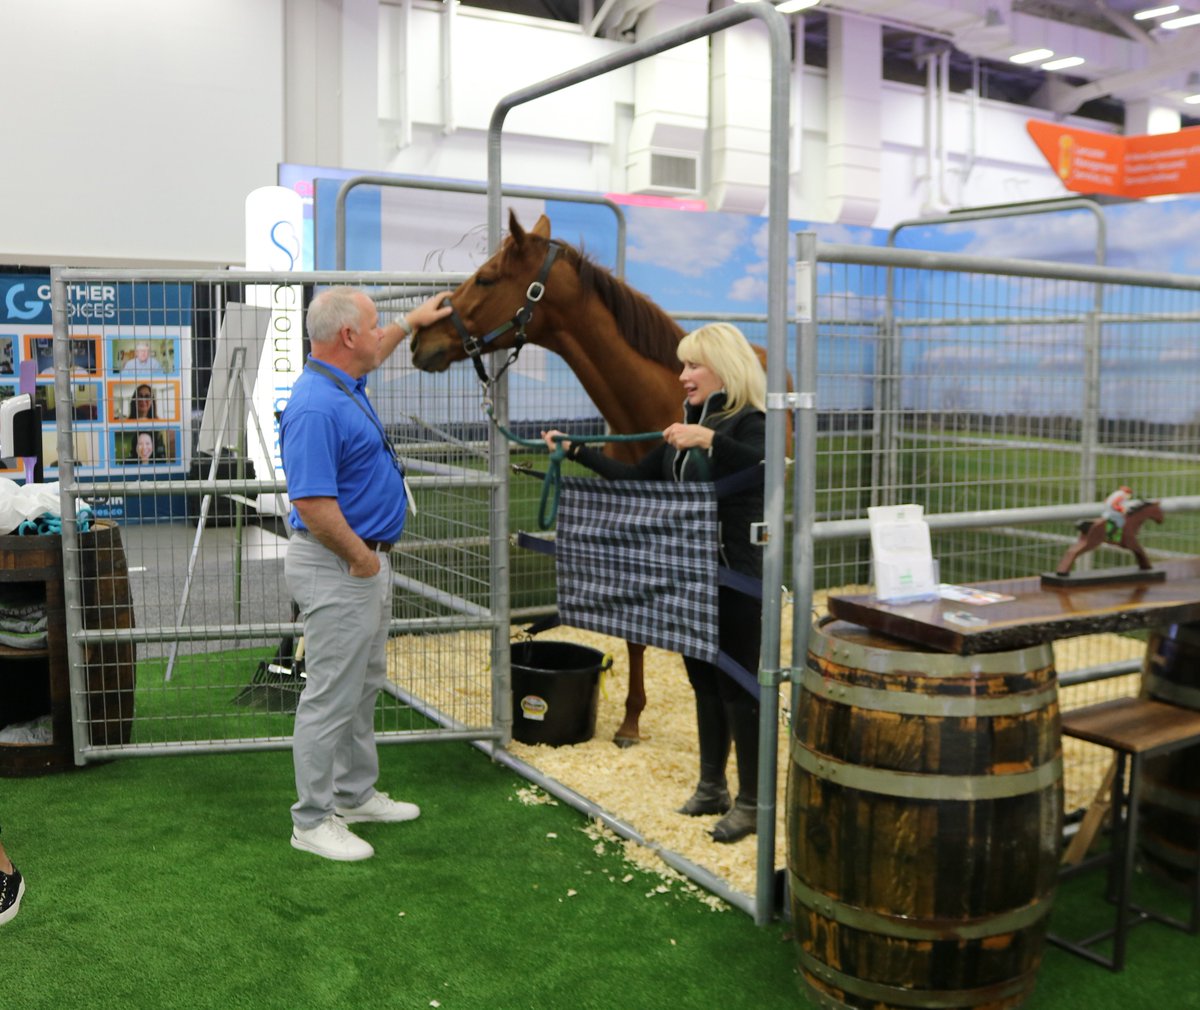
(19, 502)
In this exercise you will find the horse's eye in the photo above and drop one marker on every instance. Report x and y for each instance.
(485, 282)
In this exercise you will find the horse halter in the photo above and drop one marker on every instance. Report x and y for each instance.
(476, 347)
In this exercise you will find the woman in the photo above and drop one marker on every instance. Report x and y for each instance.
(144, 448)
(723, 432)
(141, 404)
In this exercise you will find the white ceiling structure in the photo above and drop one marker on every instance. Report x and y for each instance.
(1124, 59)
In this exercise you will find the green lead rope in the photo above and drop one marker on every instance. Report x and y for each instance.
(552, 482)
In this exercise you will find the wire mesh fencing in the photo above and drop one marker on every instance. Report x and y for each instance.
(995, 392)
(164, 432)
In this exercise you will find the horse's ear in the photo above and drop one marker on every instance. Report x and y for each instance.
(542, 228)
(515, 231)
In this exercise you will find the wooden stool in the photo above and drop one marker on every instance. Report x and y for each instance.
(1135, 728)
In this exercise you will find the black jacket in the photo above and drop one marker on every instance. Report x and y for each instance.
(739, 442)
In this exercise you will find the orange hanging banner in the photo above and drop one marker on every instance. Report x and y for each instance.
(1100, 163)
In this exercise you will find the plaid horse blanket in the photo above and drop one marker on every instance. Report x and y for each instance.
(638, 560)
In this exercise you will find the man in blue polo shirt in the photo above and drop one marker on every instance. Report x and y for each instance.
(348, 507)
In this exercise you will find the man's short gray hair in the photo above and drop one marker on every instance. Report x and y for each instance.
(332, 309)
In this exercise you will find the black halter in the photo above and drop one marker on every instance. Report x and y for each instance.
(476, 347)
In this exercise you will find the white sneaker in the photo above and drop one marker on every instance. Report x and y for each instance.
(380, 807)
(333, 840)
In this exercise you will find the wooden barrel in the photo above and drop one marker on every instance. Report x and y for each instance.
(924, 822)
(1170, 821)
(110, 666)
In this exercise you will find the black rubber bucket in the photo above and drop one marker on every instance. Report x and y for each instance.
(555, 686)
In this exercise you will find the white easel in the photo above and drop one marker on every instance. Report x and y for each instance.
(238, 389)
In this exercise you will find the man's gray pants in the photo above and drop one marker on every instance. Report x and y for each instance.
(345, 652)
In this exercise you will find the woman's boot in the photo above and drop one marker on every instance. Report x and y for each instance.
(712, 793)
(742, 820)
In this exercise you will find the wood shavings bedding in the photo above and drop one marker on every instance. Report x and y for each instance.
(643, 785)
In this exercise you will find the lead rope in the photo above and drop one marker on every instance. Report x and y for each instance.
(552, 481)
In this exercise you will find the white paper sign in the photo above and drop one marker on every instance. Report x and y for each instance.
(901, 553)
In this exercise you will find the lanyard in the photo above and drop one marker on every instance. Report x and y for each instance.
(329, 373)
(325, 370)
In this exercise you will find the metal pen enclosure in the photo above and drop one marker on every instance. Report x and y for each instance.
(216, 638)
(979, 366)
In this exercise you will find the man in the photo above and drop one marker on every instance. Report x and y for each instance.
(348, 508)
(143, 363)
(1115, 506)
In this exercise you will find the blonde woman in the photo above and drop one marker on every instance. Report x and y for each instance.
(723, 432)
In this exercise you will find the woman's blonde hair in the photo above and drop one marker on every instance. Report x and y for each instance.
(722, 348)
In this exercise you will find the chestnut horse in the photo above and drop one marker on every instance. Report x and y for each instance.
(1093, 532)
(620, 345)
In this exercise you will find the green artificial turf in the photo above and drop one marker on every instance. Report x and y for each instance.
(169, 882)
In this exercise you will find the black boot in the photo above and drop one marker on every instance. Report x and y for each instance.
(712, 794)
(742, 820)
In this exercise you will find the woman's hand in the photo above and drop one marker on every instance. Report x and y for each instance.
(551, 444)
(688, 436)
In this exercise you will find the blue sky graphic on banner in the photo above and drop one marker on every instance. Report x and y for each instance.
(714, 262)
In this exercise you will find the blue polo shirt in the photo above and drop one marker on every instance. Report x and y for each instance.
(331, 449)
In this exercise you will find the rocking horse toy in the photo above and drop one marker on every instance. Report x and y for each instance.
(1117, 526)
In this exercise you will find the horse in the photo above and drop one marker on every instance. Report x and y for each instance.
(620, 345)
(1093, 532)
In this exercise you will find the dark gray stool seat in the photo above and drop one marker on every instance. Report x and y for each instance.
(1135, 729)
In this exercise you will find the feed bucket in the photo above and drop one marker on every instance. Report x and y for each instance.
(555, 687)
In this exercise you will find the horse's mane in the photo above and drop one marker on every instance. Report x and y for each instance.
(645, 326)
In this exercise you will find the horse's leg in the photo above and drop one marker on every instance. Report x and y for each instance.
(1088, 540)
(1068, 559)
(635, 698)
(1130, 544)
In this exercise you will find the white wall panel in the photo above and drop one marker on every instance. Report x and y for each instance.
(135, 128)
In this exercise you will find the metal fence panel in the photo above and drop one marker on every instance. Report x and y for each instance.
(154, 430)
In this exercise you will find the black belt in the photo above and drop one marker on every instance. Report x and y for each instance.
(378, 545)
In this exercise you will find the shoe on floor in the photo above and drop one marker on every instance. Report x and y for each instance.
(380, 807)
(332, 840)
(741, 821)
(12, 887)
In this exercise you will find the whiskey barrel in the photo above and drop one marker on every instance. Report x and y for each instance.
(924, 822)
(1170, 807)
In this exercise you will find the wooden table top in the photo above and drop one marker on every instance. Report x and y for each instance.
(1035, 614)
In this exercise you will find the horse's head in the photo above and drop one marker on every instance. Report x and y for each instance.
(1147, 510)
(496, 305)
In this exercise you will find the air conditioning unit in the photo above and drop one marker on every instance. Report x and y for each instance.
(674, 173)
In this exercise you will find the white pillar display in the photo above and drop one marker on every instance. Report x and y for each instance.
(855, 120)
(670, 114)
(740, 134)
(274, 228)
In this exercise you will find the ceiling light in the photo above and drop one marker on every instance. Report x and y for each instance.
(1156, 12)
(1184, 22)
(1193, 99)
(1032, 56)
(1066, 61)
(791, 6)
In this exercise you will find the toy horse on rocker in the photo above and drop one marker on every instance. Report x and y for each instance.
(1118, 525)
